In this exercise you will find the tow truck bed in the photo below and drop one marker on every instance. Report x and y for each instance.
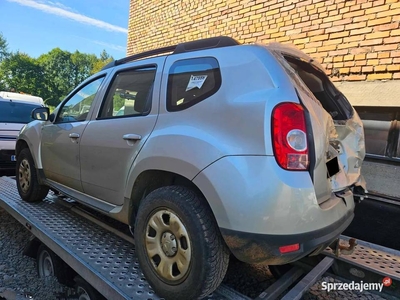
(106, 259)
(102, 258)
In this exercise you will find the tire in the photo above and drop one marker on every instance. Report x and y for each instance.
(86, 291)
(48, 264)
(29, 188)
(199, 247)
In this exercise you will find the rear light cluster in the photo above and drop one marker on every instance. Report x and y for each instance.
(289, 134)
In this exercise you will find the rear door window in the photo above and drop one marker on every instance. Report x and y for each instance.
(130, 94)
(191, 81)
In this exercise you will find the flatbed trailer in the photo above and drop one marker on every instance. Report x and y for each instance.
(105, 257)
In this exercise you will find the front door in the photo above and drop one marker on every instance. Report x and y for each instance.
(125, 120)
(61, 139)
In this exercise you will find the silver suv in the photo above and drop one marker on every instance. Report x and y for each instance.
(204, 149)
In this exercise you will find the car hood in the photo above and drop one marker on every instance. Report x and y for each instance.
(10, 131)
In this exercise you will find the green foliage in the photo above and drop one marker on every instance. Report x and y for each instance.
(4, 53)
(105, 58)
(51, 76)
(118, 102)
(22, 73)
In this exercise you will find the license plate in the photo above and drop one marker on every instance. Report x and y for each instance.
(13, 158)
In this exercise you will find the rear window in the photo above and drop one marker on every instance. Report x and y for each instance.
(16, 112)
(332, 100)
(191, 81)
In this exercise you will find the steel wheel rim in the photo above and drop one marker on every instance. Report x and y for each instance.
(168, 245)
(83, 295)
(24, 175)
(46, 267)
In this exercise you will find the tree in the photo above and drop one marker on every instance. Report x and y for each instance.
(52, 76)
(22, 73)
(83, 66)
(65, 70)
(58, 68)
(3, 48)
(104, 59)
(3, 54)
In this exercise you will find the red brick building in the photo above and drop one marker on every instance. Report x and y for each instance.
(356, 40)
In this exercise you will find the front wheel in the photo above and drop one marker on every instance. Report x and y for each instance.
(180, 249)
(29, 188)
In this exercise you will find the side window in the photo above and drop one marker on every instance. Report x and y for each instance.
(191, 81)
(130, 94)
(77, 107)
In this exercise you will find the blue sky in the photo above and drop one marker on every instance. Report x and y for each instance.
(37, 26)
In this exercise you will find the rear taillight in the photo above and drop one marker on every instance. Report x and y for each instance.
(289, 136)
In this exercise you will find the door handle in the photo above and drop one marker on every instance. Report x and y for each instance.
(74, 135)
(131, 137)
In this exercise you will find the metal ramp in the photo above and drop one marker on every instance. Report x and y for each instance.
(106, 258)
(99, 256)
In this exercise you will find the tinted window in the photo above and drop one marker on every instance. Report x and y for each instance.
(15, 112)
(191, 81)
(77, 107)
(130, 94)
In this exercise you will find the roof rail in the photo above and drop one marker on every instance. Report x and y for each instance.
(139, 56)
(208, 43)
(214, 42)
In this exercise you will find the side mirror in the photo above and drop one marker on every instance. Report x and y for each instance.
(41, 113)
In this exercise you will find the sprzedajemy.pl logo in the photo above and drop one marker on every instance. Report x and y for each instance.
(356, 286)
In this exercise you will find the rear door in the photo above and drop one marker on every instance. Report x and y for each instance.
(125, 120)
(337, 130)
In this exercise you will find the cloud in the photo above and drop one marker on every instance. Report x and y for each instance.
(105, 44)
(111, 46)
(58, 9)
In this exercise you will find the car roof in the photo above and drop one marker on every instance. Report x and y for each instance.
(22, 102)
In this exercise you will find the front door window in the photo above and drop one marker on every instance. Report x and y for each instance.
(77, 107)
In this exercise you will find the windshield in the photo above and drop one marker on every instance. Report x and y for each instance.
(15, 112)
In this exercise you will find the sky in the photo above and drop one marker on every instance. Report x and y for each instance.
(89, 26)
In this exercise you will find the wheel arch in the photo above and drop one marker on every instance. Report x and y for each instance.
(23, 144)
(150, 180)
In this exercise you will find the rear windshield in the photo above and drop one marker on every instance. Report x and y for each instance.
(333, 101)
(15, 112)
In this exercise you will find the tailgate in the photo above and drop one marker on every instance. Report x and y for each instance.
(337, 131)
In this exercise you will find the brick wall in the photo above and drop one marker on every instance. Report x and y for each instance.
(354, 40)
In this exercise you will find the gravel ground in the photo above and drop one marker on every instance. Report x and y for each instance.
(18, 274)
(19, 280)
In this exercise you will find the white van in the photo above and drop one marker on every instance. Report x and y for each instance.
(21, 97)
(14, 114)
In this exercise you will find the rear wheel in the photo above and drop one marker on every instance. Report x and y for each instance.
(28, 184)
(178, 243)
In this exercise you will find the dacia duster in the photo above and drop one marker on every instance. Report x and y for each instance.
(204, 149)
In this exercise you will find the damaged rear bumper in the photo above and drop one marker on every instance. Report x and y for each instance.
(264, 248)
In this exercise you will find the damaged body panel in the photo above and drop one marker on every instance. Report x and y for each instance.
(341, 149)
